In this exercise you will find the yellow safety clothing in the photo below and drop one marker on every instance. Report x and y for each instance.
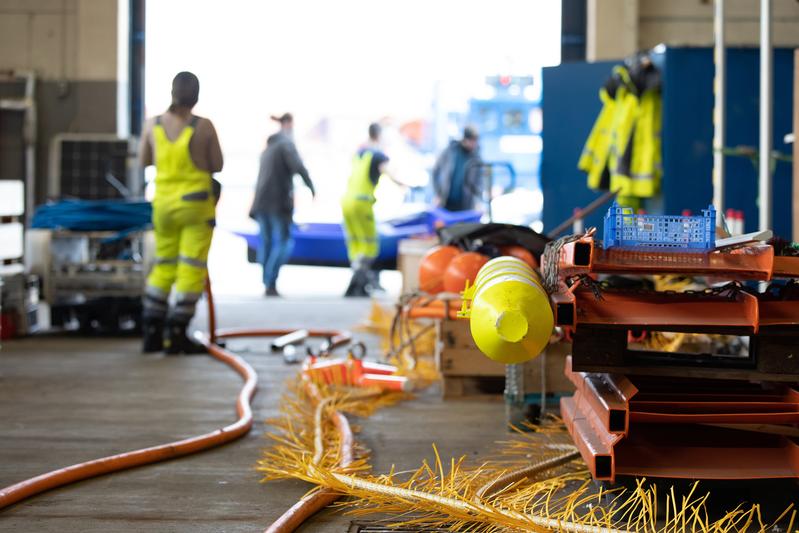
(594, 158)
(639, 170)
(359, 220)
(183, 220)
(622, 152)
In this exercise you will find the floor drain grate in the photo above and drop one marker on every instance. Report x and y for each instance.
(366, 527)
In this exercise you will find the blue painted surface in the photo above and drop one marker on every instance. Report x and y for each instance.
(570, 104)
(570, 97)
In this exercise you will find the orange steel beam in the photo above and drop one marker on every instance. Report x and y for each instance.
(668, 312)
(745, 311)
(564, 306)
(700, 452)
(786, 267)
(595, 444)
(608, 395)
(779, 313)
(672, 430)
(756, 262)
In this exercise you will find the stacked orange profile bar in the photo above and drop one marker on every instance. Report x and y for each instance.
(682, 429)
(697, 416)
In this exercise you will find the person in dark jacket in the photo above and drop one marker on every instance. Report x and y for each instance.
(457, 173)
(273, 205)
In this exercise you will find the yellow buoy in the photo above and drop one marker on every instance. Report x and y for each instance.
(509, 317)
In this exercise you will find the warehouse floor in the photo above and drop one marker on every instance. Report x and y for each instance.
(69, 399)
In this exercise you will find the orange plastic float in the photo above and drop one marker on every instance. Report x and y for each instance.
(520, 252)
(432, 268)
(463, 269)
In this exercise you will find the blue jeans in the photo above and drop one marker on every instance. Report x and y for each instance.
(276, 244)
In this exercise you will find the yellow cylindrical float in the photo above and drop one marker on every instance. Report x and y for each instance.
(509, 317)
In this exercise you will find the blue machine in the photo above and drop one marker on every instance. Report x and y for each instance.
(509, 124)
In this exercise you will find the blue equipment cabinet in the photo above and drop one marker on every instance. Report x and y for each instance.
(571, 104)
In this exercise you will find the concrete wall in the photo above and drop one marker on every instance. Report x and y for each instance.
(71, 45)
(690, 22)
(611, 29)
(60, 39)
(617, 28)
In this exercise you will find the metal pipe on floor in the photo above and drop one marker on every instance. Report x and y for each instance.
(766, 105)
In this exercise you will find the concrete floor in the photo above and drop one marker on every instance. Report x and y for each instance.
(66, 399)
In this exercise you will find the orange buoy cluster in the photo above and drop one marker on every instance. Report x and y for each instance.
(433, 266)
(462, 270)
(449, 269)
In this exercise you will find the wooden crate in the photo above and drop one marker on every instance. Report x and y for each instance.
(467, 372)
(409, 256)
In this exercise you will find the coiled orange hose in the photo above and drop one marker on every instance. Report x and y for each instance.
(114, 463)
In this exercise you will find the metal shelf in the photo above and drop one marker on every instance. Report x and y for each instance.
(749, 263)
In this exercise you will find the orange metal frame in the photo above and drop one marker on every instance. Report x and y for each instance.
(645, 427)
(755, 262)
(679, 427)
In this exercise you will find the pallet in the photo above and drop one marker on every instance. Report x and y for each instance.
(773, 356)
(467, 373)
(473, 387)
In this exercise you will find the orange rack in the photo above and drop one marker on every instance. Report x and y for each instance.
(697, 429)
(756, 262)
(658, 414)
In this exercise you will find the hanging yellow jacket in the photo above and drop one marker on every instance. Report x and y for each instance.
(622, 152)
(638, 172)
(594, 158)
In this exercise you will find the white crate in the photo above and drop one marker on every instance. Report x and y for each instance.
(11, 240)
(12, 198)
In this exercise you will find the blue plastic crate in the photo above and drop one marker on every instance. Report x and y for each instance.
(625, 229)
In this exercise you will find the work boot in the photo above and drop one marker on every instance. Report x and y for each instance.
(358, 282)
(373, 281)
(177, 341)
(152, 335)
(271, 291)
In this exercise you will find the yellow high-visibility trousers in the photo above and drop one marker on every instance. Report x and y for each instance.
(183, 232)
(360, 229)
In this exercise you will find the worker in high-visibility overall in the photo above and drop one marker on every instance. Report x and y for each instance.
(622, 152)
(363, 245)
(186, 152)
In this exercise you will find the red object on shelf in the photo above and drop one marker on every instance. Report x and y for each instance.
(8, 326)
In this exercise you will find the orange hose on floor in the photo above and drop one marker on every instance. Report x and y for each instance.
(97, 467)
(114, 463)
(315, 502)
